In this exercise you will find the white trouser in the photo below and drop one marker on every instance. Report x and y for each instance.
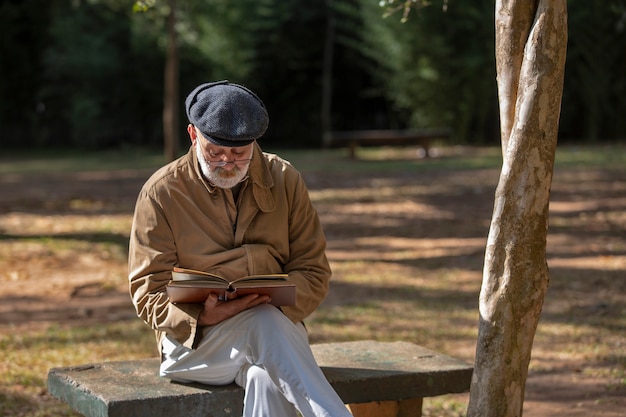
(265, 353)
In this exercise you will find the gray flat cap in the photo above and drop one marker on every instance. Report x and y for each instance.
(227, 114)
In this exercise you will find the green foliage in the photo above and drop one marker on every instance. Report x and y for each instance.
(86, 67)
(89, 73)
(210, 38)
(439, 67)
(289, 39)
(405, 6)
(21, 48)
(595, 86)
(143, 5)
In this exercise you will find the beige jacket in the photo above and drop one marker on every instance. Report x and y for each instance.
(181, 220)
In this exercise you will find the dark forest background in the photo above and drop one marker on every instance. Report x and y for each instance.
(89, 73)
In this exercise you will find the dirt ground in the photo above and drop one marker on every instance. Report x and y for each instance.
(587, 243)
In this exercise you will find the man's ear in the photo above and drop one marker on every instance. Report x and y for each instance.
(191, 130)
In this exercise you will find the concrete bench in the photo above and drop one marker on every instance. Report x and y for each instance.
(355, 138)
(373, 378)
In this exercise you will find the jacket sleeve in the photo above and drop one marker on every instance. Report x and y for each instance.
(152, 254)
(308, 266)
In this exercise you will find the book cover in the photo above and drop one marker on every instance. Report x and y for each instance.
(191, 286)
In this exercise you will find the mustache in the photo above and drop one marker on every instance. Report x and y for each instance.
(227, 173)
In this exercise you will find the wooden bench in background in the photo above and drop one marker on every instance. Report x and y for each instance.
(375, 379)
(355, 138)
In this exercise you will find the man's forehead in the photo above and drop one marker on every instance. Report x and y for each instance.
(213, 148)
(217, 148)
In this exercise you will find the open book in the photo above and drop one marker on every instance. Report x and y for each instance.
(190, 286)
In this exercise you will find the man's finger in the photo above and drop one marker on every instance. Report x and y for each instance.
(212, 299)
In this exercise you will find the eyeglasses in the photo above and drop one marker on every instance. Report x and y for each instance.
(236, 162)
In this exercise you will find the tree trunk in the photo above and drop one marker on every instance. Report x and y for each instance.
(171, 88)
(327, 74)
(514, 19)
(531, 41)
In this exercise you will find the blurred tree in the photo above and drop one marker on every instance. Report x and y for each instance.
(595, 82)
(327, 73)
(206, 37)
(86, 70)
(22, 43)
(438, 68)
(359, 99)
(287, 74)
(171, 86)
(90, 73)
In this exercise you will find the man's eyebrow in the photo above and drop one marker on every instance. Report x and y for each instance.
(236, 150)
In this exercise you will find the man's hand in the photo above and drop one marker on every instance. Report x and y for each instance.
(216, 311)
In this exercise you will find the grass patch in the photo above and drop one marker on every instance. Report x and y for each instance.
(68, 161)
(386, 159)
(406, 251)
(27, 357)
(610, 156)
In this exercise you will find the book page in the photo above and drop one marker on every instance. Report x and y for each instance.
(184, 274)
(261, 279)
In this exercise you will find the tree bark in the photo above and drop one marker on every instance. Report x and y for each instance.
(531, 61)
(513, 19)
(171, 87)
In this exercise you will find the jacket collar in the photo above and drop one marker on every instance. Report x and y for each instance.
(262, 182)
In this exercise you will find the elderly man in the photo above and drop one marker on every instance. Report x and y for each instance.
(228, 208)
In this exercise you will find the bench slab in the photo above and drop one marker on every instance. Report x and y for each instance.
(360, 372)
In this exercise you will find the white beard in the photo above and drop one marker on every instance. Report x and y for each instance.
(218, 176)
